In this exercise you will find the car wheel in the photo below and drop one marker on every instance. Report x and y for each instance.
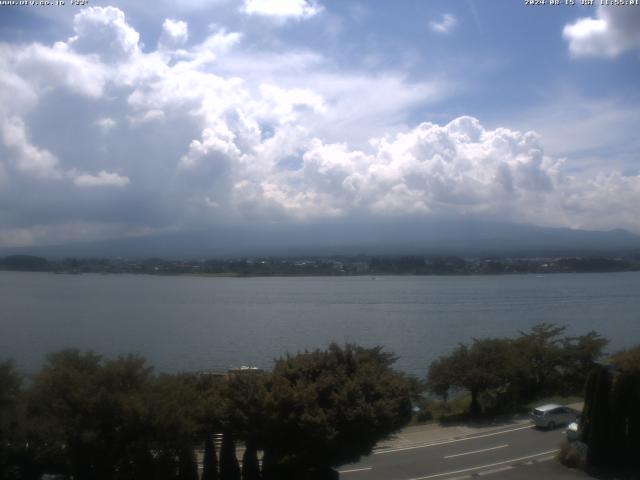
(551, 425)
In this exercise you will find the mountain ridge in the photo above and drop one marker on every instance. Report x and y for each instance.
(440, 237)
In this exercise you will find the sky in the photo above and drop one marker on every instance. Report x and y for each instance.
(122, 119)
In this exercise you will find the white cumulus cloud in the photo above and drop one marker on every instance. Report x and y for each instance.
(174, 33)
(457, 168)
(104, 31)
(219, 130)
(281, 8)
(39, 69)
(613, 31)
(28, 158)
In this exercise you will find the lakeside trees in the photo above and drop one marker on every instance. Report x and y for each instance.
(627, 360)
(86, 417)
(318, 409)
(90, 417)
(326, 265)
(10, 383)
(330, 407)
(513, 371)
(481, 366)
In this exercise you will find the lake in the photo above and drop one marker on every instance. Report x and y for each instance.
(183, 323)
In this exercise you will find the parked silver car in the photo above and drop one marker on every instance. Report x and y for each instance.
(551, 416)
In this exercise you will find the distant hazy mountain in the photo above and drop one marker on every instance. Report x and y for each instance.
(455, 237)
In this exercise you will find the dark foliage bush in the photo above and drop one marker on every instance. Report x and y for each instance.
(611, 421)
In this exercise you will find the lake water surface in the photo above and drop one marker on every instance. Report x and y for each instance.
(195, 323)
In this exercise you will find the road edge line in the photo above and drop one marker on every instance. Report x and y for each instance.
(486, 466)
(434, 444)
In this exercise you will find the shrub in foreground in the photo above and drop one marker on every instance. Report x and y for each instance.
(86, 417)
(321, 409)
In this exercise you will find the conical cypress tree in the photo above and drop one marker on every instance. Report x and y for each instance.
(589, 395)
(633, 425)
(619, 413)
(210, 461)
(597, 418)
(611, 420)
(625, 418)
(268, 465)
(250, 467)
(187, 465)
(229, 468)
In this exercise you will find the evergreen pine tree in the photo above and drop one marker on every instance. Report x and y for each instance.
(625, 437)
(210, 462)
(587, 415)
(229, 468)
(250, 468)
(187, 465)
(633, 421)
(597, 428)
(268, 465)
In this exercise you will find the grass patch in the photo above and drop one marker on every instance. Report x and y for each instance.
(440, 411)
(457, 409)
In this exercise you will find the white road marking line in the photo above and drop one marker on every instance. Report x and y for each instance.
(486, 466)
(382, 452)
(496, 470)
(355, 470)
(477, 451)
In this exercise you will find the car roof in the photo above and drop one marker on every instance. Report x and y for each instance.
(548, 406)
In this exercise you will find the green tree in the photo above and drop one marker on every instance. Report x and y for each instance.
(627, 360)
(187, 466)
(229, 468)
(439, 378)
(596, 425)
(64, 399)
(329, 407)
(625, 413)
(175, 410)
(112, 419)
(10, 389)
(211, 391)
(625, 420)
(537, 361)
(250, 466)
(579, 356)
(247, 395)
(611, 421)
(478, 368)
(123, 428)
(210, 461)
(246, 399)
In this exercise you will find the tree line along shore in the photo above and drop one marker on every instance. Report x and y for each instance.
(86, 417)
(334, 265)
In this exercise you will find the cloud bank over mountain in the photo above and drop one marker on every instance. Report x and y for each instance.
(102, 136)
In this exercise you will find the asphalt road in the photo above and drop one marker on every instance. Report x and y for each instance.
(494, 451)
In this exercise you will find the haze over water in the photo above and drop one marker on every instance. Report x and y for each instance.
(202, 323)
